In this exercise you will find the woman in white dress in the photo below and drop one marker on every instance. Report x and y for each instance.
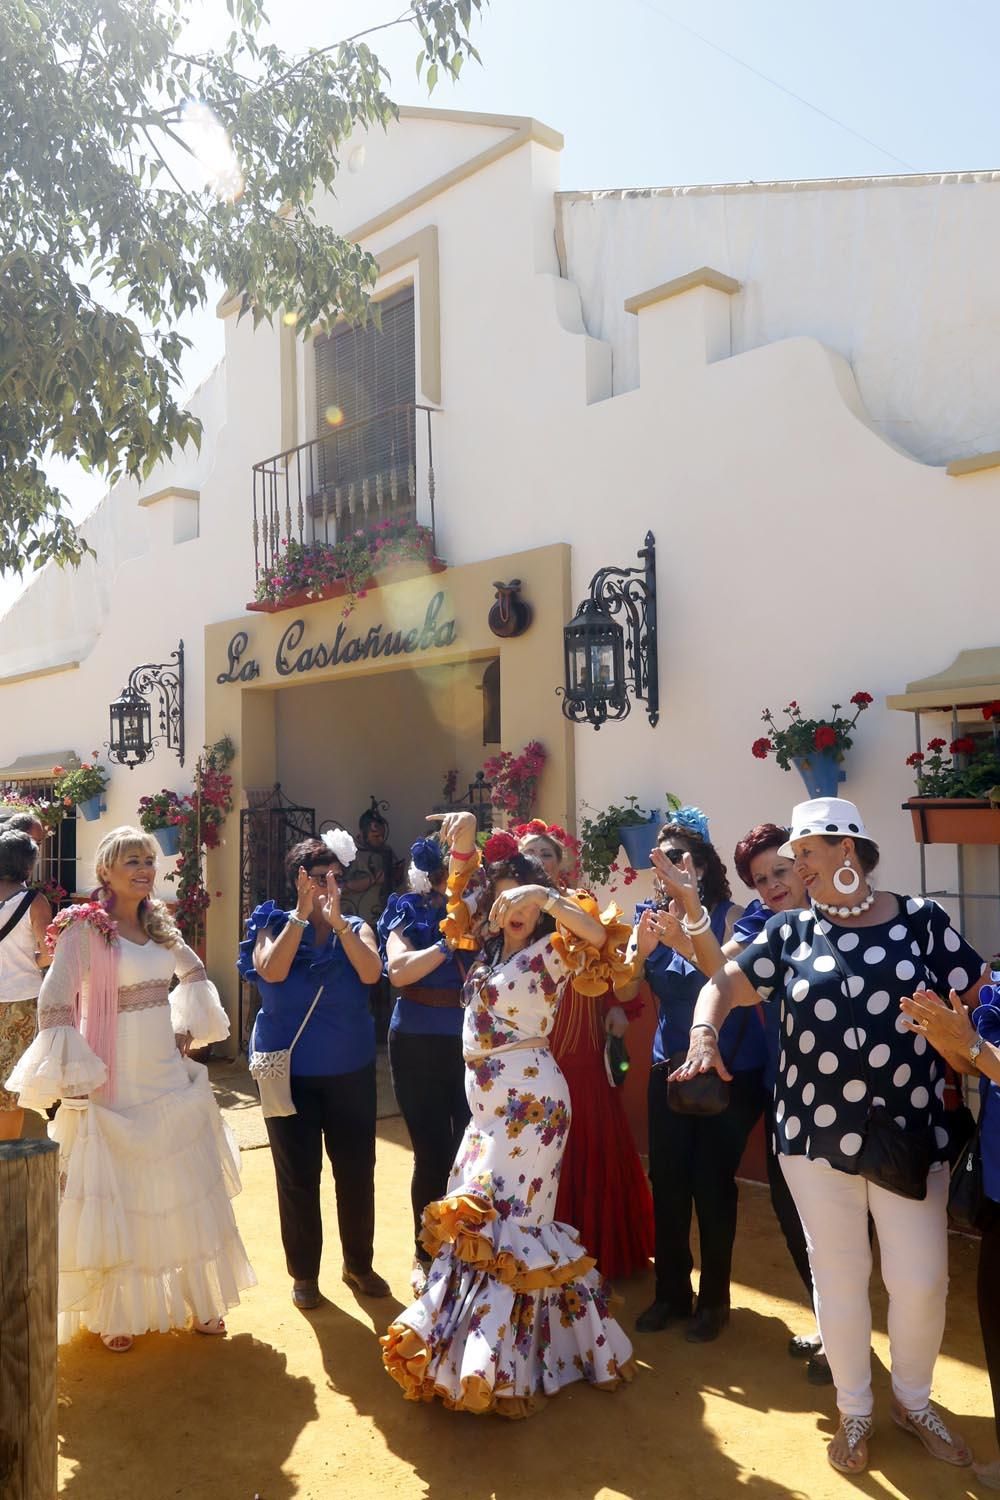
(147, 1235)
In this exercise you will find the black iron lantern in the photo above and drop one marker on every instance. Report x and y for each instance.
(594, 646)
(603, 657)
(132, 738)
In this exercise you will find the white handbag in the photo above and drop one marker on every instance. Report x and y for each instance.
(272, 1073)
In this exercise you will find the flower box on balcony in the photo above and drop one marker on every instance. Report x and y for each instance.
(396, 573)
(954, 820)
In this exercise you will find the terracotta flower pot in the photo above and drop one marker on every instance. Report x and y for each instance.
(954, 820)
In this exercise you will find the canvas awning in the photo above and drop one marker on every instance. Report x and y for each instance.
(38, 766)
(972, 679)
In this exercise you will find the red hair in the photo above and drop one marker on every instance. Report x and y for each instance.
(765, 836)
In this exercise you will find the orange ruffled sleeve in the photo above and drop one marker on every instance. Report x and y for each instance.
(457, 923)
(595, 970)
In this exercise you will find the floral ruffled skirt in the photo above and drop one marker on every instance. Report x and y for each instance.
(513, 1309)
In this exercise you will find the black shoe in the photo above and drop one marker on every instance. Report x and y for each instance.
(818, 1370)
(804, 1345)
(368, 1283)
(706, 1325)
(306, 1295)
(660, 1315)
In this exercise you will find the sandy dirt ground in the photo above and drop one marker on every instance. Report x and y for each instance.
(297, 1405)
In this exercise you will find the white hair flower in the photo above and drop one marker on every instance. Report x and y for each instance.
(418, 881)
(341, 845)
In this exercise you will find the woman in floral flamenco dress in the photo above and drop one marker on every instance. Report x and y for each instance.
(513, 1309)
(147, 1236)
(603, 1188)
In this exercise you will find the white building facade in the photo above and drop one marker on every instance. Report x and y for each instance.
(792, 385)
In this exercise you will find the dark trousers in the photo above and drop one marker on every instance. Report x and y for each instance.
(428, 1075)
(989, 1301)
(783, 1204)
(338, 1113)
(693, 1162)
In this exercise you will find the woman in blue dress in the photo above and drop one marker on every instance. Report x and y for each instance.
(425, 1032)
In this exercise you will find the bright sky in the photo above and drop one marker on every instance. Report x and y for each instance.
(660, 92)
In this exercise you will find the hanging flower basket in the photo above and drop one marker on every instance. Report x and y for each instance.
(820, 771)
(954, 820)
(92, 807)
(169, 839)
(637, 840)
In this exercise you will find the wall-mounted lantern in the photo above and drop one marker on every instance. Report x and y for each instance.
(132, 738)
(603, 658)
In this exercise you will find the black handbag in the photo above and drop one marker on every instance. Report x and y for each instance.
(616, 1060)
(966, 1196)
(706, 1093)
(891, 1157)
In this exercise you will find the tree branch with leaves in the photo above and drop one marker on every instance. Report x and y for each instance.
(103, 247)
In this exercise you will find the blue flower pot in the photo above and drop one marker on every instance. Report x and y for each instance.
(92, 807)
(637, 840)
(820, 772)
(169, 839)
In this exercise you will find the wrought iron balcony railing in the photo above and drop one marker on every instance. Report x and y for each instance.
(352, 478)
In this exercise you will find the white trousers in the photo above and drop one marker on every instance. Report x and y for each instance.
(913, 1240)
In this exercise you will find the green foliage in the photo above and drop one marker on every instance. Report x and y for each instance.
(103, 247)
(599, 838)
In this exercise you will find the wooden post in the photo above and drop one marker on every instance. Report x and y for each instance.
(29, 1274)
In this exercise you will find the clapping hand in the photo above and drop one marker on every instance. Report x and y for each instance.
(305, 893)
(329, 901)
(947, 1027)
(678, 882)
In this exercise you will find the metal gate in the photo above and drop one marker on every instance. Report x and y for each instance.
(270, 825)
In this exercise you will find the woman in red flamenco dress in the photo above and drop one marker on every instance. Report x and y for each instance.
(603, 1189)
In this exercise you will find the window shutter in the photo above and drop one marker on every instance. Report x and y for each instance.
(368, 375)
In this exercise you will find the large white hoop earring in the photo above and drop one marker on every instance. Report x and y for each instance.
(846, 879)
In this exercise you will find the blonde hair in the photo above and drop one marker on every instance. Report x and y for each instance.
(154, 918)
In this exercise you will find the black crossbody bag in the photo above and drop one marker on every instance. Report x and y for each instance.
(891, 1157)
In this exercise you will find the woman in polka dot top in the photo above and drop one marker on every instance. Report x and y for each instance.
(838, 971)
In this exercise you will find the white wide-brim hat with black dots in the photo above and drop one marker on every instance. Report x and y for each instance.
(824, 815)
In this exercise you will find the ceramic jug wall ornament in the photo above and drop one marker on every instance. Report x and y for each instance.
(509, 615)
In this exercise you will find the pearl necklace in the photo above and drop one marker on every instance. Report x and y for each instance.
(846, 911)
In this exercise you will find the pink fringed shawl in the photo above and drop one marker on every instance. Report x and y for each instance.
(96, 974)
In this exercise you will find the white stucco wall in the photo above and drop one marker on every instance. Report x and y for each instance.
(894, 273)
(800, 555)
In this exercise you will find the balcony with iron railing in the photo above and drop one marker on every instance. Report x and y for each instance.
(353, 479)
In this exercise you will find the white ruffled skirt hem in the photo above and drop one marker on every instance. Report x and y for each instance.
(147, 1234)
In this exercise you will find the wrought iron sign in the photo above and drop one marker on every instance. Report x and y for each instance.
(132, 739)
(603, 658)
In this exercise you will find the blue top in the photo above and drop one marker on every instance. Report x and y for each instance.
(745, 929)
(986, 1019)
(418, 919)
(340, 1035)
(677, 985)
(842, 1050)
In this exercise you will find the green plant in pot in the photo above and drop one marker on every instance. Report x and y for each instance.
(601, 836)
(82, 787)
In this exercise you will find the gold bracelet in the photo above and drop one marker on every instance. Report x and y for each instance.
(341, 930)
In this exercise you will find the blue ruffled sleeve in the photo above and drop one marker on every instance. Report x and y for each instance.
(268, 917)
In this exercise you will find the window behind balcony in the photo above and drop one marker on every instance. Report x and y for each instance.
(365, 418)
